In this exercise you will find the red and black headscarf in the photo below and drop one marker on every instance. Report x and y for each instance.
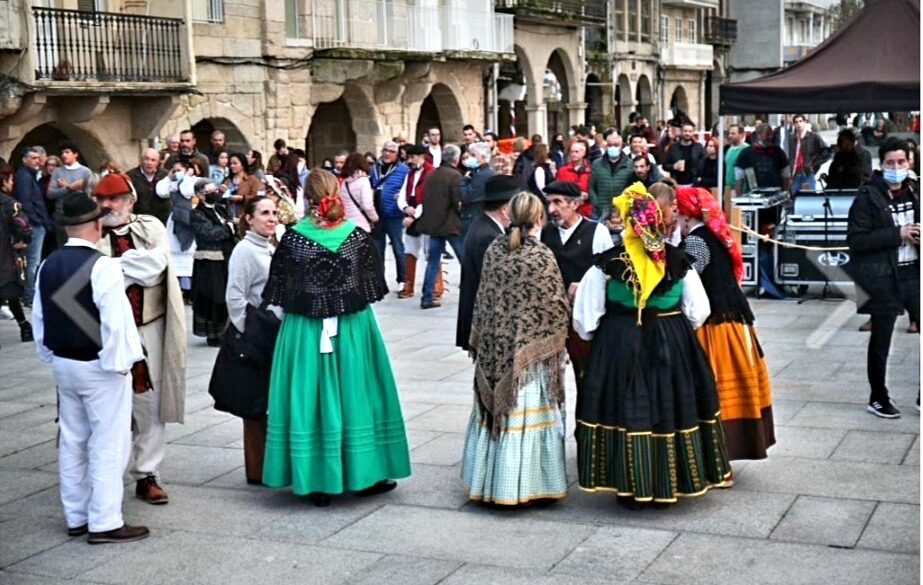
(698, 203)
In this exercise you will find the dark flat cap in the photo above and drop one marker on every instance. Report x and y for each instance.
(565, 188)
(415, 149)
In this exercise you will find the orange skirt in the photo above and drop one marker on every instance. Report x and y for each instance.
(744, 391)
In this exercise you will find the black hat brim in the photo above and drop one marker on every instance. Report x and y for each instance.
(87, 217)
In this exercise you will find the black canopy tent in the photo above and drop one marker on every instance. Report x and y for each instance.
(870, 65)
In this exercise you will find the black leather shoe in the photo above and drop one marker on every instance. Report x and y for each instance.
(78, 530)
(319, 499)
(381, 487)
(433, 305)
(124, 534)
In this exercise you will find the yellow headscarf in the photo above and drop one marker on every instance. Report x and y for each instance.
(646, 271)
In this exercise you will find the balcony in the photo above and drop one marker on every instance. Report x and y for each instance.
(388, 26)
(687, 56)
(719, 31)
(692, 3)
(93, 49)
(561, 11)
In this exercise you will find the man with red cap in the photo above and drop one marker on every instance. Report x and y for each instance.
(159, 380)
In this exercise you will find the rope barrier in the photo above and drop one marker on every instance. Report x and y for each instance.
(764, 238)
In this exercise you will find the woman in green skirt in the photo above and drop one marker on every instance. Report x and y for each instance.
(335, 421)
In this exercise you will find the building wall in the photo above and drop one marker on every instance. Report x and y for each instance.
(758, 50)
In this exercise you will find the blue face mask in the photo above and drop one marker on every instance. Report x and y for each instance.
(471, 163)
(895, 176)
(612, 152)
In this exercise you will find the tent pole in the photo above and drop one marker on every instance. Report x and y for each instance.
(725, 200)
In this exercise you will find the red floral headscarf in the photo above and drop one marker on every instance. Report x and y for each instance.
(698, 203)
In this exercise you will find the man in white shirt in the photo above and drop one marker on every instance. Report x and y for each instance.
(91, 343)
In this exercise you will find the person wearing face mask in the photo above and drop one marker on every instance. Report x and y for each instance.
(498, 190)
(177, 187)
(558, 151)
(883, 235)
(472, 186)
(215, 236)
(610, 174)
(159, 380)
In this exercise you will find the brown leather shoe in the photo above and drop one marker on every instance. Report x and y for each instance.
(147, 489)
(124, 534)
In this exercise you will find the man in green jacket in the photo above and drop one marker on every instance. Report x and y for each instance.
(610, 174)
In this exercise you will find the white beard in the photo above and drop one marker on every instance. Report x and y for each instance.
(113, 219)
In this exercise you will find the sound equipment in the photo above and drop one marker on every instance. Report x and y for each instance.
(758, 207)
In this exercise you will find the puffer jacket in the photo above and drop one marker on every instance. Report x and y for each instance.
(607, 182)
(389, 187)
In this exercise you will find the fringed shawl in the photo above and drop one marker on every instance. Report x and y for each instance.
(520, 321)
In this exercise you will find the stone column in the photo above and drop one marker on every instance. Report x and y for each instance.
(576, 113)
(538, 119)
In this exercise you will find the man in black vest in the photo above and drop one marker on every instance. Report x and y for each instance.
(574, 240)
(484, 229)
(79, 289)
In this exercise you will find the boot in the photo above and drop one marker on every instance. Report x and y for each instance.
(439, 286)
(410, 278)
(25, 331)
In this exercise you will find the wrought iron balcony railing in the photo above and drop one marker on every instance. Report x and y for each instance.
(720, 31)
(584, 10)
(76, 45)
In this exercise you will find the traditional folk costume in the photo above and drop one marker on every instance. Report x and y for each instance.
(728, 336)
(514, 448)
(574, 249)
(647, 416)
(215, 238)
(415, 243)
(335, 421)
(159, 380)
(85, 329)
(179, 225)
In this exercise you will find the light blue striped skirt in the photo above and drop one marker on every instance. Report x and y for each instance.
(525, 460)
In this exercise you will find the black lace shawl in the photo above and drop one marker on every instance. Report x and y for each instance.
(612, 262)
(307, 279)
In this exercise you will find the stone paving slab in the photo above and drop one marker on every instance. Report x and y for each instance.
(827, 521)
(443, 534)
(875, 447)
(698, 559)
(806, 442)
(447, 449)
(405, 570)
(19, 483)
(619, 553)
(24, 537)
(893, 527)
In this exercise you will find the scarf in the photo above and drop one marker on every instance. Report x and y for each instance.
(520, 322)
(698, 203)
(644, 242)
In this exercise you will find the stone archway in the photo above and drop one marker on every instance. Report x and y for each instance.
(440, 110)
(594, 101)
(623, 101)
(557, 93)
(50, 136)
(644, 99)
(234, 138)
(679, 102)
(331, 129)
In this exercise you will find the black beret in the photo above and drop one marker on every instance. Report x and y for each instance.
(566, 188)
(415, 149)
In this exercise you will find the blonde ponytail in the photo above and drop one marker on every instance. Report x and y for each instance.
(526, 211)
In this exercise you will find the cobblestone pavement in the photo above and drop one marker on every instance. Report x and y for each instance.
(837, 502)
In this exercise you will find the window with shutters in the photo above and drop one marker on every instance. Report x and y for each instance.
(208, 11)
(691, 30)
(633, 32)
(646, 18)
(620, 20)
(664, 29)
(678, 33)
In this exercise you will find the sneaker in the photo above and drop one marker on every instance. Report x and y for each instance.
(885, 410)
(5, 313)
(917, 404)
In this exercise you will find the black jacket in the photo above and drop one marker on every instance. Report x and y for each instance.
(148, 202)
(481, 234)
(691, 153)
(26, 190)
(873, 241)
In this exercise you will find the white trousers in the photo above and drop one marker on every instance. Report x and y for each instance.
(149, 435)
(95, 417)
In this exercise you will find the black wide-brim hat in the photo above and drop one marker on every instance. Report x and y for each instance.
(499, 188)
(78, 208)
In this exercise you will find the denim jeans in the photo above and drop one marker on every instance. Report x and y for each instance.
(392, 228)
(33, 258)
(434, 261)
(800, 180)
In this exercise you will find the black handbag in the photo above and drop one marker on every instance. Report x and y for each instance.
(240, 379)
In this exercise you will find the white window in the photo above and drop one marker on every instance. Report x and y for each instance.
(678, 35)
(291, 19)
(664, 29)
(208, 11)
(690, 30)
